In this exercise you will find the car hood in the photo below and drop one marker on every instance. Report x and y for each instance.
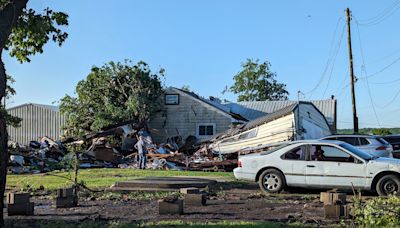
(392, 161)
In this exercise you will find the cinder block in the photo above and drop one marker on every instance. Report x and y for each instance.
(332, 198)
(190, 191)
(21, 209)
(65, 192)
(65, 202)
(195, 199)
(336, 211)
(18, 198)
(170, 207)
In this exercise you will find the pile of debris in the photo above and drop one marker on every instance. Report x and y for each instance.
(115, 148)
(39, 156)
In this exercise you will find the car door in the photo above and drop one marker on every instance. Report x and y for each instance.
(365, 145)
(295, 161)
(338, 169)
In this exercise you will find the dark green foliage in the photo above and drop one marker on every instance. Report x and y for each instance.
(256, 82)
(381, 131)
(33, 31)
(113, 93)
(375, 131)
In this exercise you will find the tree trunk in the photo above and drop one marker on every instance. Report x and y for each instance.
(3, 146)
(9, 15)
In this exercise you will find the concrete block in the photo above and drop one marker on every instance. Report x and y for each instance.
(195, 199)
(336, 211)
(170, 207)
(21, 209)
(333, 198)
(65, 202)
(190, 191)
(18, 198)
(65, 192)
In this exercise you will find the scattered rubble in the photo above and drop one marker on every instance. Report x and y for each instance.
(115, 148)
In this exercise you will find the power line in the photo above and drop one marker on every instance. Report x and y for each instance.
(380, 17)
(383, 69)
(327, 62)
(334, 61)
(385, 83)
(364, 69)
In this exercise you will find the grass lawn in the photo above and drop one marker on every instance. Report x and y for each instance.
(159, 224)
(97, 178)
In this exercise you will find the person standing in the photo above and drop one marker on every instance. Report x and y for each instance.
(142, 152)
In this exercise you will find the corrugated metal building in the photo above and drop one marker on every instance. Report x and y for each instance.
(37, 121)
(255, 109)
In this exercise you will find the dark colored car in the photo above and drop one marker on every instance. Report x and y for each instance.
(394, 140)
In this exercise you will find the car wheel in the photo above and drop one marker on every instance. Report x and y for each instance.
(387, 185)
(271, 181)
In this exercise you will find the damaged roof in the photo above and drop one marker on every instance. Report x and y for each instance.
(270, 117)
(252, 110)
(216, 104)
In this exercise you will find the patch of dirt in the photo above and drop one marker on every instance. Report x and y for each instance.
(234, 203)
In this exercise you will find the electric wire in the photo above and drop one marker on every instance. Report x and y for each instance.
(381, 70)
(334, 61)
(382, 16)
(364, 69)
(385, 83)
(327, 62)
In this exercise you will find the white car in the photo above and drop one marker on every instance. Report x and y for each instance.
(320, 164)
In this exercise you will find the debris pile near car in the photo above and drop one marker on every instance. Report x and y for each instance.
(114, 148)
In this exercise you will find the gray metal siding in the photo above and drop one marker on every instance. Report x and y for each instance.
(255, 109)
(37, 121)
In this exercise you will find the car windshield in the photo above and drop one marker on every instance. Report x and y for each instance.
(362, 154)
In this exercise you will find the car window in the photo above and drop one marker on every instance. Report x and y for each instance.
(392, 139)
(364, 142)
(381, 141)
(298, 153)
(332, 138)
(329, 153)
(350, 140)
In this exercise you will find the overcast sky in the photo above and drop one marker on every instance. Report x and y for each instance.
(202, 44)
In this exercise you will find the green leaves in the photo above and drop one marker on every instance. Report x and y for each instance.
(255, 82)
(33, 30)
(378, 212)
(113, 93)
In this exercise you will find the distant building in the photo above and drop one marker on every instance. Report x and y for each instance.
(37, 121)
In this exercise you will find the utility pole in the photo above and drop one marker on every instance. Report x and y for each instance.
(353, 96)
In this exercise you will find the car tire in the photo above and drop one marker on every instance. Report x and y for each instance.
(271, 181)
(388, 184)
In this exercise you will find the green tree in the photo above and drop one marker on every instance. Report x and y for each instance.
(113, 93)
(10, 91)
(186, 88)
(23, 33)
(256, 82)
(381, 131)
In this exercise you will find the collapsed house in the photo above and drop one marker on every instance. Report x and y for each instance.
(186, 114)
(297, 121)
(189, 133)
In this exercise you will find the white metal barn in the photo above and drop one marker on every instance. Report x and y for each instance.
(37, 121)
(297, 121)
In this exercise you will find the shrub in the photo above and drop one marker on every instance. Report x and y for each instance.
(378, 212)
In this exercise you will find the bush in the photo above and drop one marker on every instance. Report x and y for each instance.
(378, 212)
